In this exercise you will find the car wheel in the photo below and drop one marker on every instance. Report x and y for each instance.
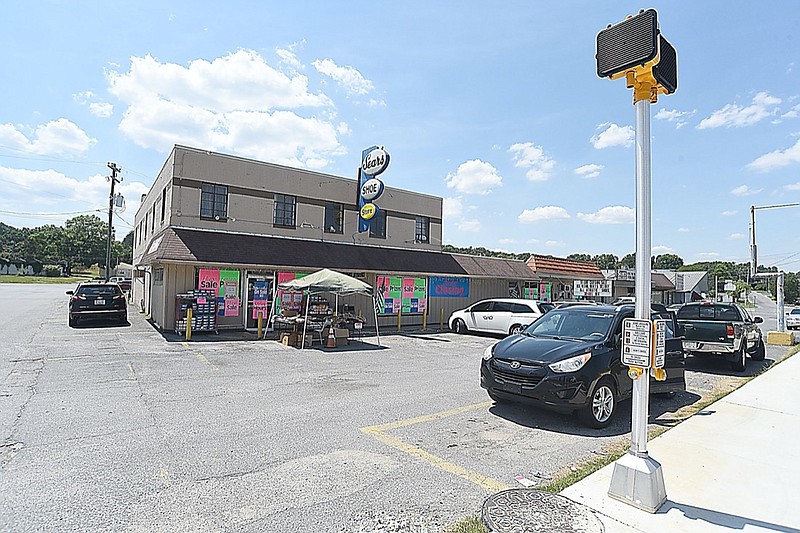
(73, 322)
(740, 362)
(760, 352)
(602, 405)
(459, 326)
(516, 329)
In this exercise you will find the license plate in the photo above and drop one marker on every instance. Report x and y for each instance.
(513, 387)
(690, 345)
(99, 302)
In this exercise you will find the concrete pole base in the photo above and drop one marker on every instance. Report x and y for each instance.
(638, 481)
(781, 338)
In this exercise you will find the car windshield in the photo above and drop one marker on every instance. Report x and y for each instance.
(572, 323)
(98, 290)
(795, 311)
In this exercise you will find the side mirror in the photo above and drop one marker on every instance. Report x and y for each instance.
(758, 320)
(70, 293)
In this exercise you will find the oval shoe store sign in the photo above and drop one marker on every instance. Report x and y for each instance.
(375, 161)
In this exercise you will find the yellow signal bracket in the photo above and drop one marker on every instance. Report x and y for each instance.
(643, 83)
(635, 372)
(659, 374)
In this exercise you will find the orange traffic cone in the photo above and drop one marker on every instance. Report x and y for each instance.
(331, 339)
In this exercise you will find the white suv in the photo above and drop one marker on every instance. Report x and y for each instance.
(498, 315)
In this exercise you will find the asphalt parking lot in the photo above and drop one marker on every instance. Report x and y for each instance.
(121, 428)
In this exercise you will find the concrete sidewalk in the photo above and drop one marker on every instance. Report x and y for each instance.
(733, 466)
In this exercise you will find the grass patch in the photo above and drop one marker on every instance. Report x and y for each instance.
(470, 524)
(39, 280)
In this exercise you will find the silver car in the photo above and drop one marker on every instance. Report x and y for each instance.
(793, 319)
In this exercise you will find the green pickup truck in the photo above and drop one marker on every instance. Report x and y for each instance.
(723, 329)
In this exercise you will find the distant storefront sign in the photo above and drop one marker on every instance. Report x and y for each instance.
(591, 288)
(449, 287)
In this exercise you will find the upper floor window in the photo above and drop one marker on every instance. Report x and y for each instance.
(377, 225)
(284, 210)
(334, 218)
(163, 204)
(422, 230)
(214, 201)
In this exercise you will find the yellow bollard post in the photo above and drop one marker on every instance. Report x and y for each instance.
(260, 323)
(441, 319)
(424, 320)
(189, 324)
(399, 315)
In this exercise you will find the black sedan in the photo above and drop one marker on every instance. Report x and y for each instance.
(97, 300)
(569, 361)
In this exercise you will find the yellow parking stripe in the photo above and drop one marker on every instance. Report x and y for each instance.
(415, 451)
(200, 357)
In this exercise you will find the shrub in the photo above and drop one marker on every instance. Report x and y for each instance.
(52, 271)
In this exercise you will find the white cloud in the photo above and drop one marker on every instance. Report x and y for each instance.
(613, 135)
(538, 214)
(289, 59)
(673, 115)
(736, 236)
(101, 109)
(452, 207)
(662, 249)
(776, 159)
(728, 213)
(683, 230)
(347, 77)
(532, 241)
(792, 186)
(507, 241)
(744, 190)
(732, 115)
(235, 103)
(53, 189)
(614, 214)
(57, 137)
(555, 244)
(469, 225)
(474, 177)
(531, 157)
(707, 255)
(589, 171)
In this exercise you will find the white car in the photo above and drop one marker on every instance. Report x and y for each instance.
(793, 319)
(498, 315)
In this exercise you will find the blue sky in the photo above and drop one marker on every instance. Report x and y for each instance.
(494, 106)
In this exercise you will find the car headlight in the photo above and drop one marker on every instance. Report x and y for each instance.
(572, 364)
(488, 352)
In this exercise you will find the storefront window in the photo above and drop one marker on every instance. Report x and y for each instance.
(214, 201)
(377, 225)
(334, 216)
(284, 210)
(423, 229)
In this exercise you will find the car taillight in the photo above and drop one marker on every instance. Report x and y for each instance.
(79, 297)
(729, 331)
(119, 297)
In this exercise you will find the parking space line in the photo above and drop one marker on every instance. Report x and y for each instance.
(200, 357)
(379, 432)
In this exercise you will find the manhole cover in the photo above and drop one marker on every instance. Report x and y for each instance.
(535, 511)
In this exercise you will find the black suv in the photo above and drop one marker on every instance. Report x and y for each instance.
(569, 361)
(97, 299)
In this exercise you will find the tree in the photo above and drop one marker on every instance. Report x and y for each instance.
(606, 261)
(87, 237)
(667, 262)
(580, 257)
(629, 261)
(126, 254)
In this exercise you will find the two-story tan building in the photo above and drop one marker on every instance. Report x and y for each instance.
(250, 224)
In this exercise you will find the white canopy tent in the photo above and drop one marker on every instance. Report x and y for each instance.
(330, 281)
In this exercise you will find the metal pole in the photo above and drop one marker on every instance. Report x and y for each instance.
(779, 298)
(641, 386)
(114, 171)
(753, 249)
(637, 478)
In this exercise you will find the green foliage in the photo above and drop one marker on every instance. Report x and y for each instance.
(580, 257)
(606, 261)
(52, 271)
(628, 261)
(667, 262)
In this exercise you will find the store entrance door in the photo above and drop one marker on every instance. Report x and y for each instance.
(259, 298)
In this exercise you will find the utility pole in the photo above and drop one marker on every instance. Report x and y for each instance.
(114, 178)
